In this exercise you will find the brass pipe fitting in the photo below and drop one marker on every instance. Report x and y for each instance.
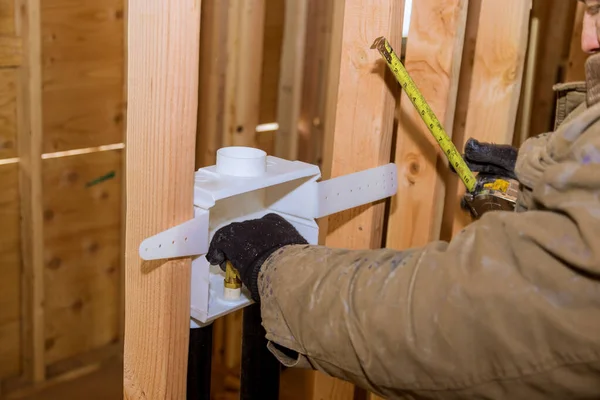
(232, 282)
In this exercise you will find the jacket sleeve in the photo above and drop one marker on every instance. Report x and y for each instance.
(508, 309)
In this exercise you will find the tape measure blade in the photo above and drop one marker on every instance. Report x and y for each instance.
(425, 112)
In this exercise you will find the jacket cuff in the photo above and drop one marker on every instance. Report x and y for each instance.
(289, 358)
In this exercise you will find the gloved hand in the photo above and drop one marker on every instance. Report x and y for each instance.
(487, 158)
(248, 244)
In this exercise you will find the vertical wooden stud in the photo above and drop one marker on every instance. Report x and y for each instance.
(124, 181)
(244, 68)
(161, 129)
(311, 122)
(361, 124)
(495, 85)
(245, 40)
(30, 182)
(433, 59)
(290, 78)
(213, 58)
(522, 131)
(556, 18)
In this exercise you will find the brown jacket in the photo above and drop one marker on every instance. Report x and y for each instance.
(509, 309)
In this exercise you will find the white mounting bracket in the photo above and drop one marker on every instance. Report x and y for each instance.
(245, 184)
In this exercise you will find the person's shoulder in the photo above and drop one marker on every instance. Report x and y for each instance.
(577, 140)
(567, 158)
(570, 101)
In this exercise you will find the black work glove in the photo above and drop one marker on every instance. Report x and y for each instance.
(248, 244)
(491, 159)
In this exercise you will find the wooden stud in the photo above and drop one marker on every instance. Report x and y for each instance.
(213, 58)
(30, 182)
(460, 114)
(123, 183)
(361, 123)
(495, 86)
(271, 59)
(211, 114)
(244, 41)
(433, 59)
(244, 68)
(290, 78)
(311, 122)
(162, 73)
(556, 18)
(524, 115)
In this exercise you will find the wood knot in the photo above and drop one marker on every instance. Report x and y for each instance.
(48, 215)
(77, 305)
(72, 176)
(49, 343)
(93, 247)
(510, 75)
(413, 168)
(54, 263)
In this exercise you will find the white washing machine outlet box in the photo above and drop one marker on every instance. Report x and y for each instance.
(245, 184)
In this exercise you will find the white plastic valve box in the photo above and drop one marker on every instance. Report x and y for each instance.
(245, 184)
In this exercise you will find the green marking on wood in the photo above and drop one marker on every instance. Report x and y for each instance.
(101, 179)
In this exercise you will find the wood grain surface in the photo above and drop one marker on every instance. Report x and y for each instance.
(162, 73)
(433, 59)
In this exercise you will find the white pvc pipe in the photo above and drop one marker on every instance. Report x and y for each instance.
(241, 161)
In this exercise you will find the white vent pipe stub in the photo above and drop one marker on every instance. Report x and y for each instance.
(241, 161)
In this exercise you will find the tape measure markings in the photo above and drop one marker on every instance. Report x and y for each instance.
(426, 113)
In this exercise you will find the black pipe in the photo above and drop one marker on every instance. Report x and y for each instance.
(199, 363)
(260, 368)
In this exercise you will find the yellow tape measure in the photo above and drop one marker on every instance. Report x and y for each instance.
(426, 113)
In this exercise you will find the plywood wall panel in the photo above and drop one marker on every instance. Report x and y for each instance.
(10, 51)
(8, 112)
(83, 73)
(10, 271)
(7, 17)
(82, 252)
